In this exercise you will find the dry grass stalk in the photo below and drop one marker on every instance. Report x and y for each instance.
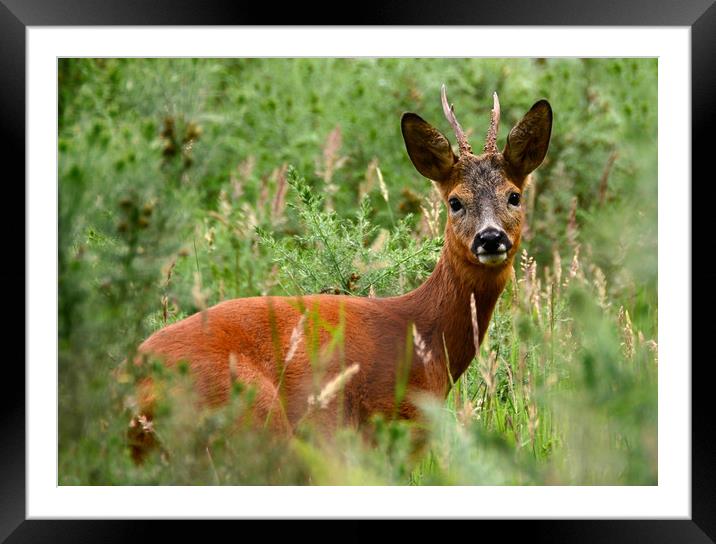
(220, 218)
(475, 326)
(627, 332)
(249, 221)
(600, 284)
(430, 223)
(511, 382)
(447, 363)
(572, 228)
(467, 413)
(279, 200)
(536, 293)
(488, 371)
(604, 181)
(296, 336)
(331, 161)
(479, 405)
(557, 260)
(383, 186)
(225, 207)
(165, 308)
(198, 295)
(574, 269)
(515, 286)
(525, 263)
(245, 169)
(522, 366)
(532, 418)
(264, 194)
(369, 178)
(532, 286)
(210, 237)
(167, 271)
(331, 389)
(213, 467)
(654, 348)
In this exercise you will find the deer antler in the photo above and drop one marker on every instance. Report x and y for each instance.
(449, 112)
(491, 141)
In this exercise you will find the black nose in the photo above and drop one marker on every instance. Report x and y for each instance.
(491, 240)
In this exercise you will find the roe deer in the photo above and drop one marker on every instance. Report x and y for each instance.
(418, 337)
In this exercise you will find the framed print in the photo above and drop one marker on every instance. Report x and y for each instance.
(243, 235)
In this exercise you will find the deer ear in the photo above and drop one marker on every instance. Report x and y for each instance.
(528, 140)
(427, 147)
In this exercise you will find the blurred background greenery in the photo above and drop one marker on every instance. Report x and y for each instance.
(184, 182)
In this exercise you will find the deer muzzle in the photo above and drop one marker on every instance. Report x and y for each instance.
(491, 246)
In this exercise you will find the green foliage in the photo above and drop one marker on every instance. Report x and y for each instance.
(176, 192)
(333, 255)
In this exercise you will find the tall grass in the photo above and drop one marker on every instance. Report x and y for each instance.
(187, 182)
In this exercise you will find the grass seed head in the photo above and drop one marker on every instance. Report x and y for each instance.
(421, 347)
(331, 389)
(296, 335)
(383, 186)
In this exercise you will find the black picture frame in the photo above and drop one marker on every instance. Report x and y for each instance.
(16, 15)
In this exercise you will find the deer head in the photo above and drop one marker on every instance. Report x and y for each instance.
(483, 192)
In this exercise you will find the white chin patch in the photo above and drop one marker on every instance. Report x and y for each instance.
(492, 258)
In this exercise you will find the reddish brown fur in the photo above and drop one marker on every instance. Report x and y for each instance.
(376, 329)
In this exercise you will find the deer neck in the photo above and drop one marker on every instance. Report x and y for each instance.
(440, 307)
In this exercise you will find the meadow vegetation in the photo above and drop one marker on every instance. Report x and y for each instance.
(185, 182)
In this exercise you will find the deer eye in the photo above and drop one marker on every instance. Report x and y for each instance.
(514, 199)
(455, 204)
